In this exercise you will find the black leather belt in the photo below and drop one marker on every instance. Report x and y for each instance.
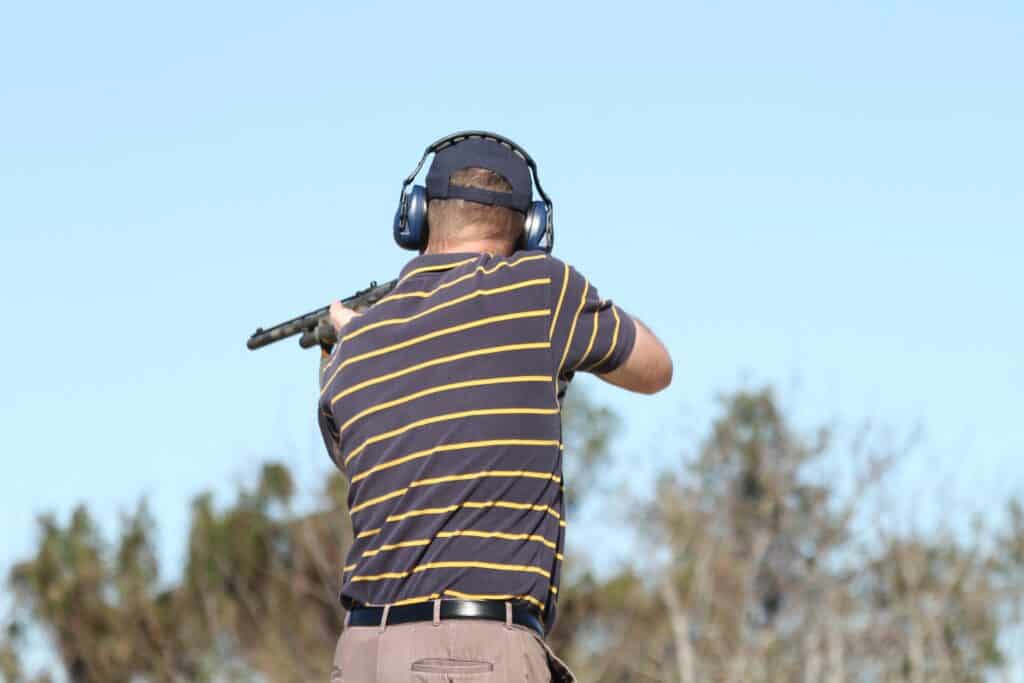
(491, 610)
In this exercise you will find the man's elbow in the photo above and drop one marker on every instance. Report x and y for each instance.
(659, 377)
(647, 369)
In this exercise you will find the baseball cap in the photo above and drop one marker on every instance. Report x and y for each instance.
(481, 153)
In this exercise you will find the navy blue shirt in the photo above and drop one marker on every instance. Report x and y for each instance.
(441, 404)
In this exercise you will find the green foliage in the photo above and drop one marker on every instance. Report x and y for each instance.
(745, 569)
(258, 592)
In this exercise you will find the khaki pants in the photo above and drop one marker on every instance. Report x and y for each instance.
(444, 652)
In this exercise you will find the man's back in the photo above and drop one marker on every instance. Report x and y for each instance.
(441, 404)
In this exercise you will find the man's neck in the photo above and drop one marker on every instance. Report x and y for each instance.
(496, 247)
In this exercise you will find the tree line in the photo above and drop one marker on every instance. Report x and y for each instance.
(749, 563)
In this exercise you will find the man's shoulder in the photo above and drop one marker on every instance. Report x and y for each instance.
(538, 258)
(561, 272)
(520, 266)
(533, 263)
(493, 268)
(423, 285)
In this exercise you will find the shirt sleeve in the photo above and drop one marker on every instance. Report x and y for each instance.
(588, 333)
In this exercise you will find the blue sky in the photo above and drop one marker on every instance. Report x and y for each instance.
(825, 196)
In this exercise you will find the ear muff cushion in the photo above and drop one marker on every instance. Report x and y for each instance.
(536, 227)
(411, 232)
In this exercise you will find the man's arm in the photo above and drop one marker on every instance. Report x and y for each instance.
(648, 367)
(591, 334)
(338, 317)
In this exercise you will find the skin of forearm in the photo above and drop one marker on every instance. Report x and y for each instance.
(648, 369)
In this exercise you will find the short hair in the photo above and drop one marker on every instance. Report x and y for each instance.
(449, 218)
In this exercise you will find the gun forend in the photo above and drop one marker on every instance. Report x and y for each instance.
(313, 325)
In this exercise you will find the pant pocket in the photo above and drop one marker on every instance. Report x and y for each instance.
(443, 670)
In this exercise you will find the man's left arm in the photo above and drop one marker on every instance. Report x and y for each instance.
(339, 316)
(646, 369)
(329, 431)
(598, 337)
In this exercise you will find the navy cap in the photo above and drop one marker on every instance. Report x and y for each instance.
(481, 153)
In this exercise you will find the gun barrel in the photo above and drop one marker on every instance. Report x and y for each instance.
(307, 324)
(303, 323)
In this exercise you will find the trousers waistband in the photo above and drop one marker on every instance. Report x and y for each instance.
(491, 610)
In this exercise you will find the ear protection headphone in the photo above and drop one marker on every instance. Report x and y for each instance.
(410, 227)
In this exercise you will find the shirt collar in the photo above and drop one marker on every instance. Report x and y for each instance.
(432, 263)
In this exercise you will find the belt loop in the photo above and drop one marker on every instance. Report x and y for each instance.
(384, 618)
(437, 612)
(508, 615)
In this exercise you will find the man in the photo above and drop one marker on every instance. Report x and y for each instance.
(441, 404)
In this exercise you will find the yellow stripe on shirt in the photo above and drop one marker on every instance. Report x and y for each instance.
(615, 340)
(438, 389)
(413, 601)
(590, 346)
(436, 361)
(514, 506)
(572, 332)
(447, 304)
(558, 308)
(380, 577)
(469, 504)
(395, 546)
(455, 565)
(482, 565)
(482, 322)
(491, 473)
(483, 412)
(462, 278)
(379, 499)
(498, 534)
(436, 267)
(474, 505)
(419, 542)
(444, 448)
(422, 512)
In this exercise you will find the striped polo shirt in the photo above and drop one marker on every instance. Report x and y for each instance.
(441, 404)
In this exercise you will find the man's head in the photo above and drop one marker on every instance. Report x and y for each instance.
(456, 222)
(478, 194)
